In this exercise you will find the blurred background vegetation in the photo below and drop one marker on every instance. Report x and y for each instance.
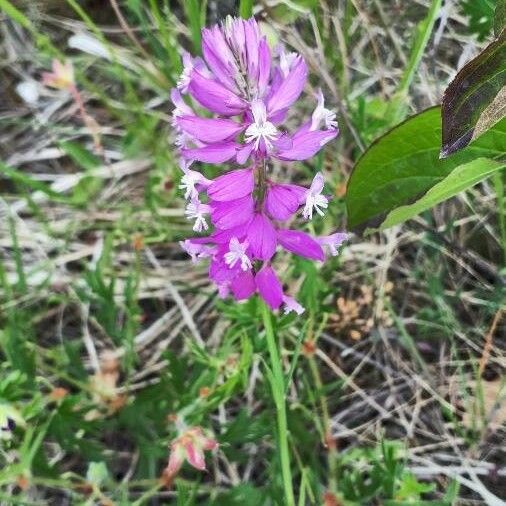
(396, 370)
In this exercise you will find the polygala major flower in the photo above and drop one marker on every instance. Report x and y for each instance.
(248, 90)
(61, 77)
(189, 446)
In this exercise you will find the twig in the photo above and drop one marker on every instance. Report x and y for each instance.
(488, 341)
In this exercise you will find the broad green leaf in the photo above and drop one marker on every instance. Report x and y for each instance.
(469, 95)
(461, 178)
(404, 164)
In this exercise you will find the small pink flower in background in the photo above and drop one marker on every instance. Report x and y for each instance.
(62, 76)
(249, 92)
(189, 446)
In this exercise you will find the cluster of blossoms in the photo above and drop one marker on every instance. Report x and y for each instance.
(249, 90)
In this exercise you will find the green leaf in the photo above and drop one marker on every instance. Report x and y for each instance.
(80, 155)
(403, 165)
(461, 178)
(97, 473)
(481, 15)
(246, 9)
(193, 13)
(467, 97)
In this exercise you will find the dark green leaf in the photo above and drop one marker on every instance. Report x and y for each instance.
(470, 93)
(404, 164)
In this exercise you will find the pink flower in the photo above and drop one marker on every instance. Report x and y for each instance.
(334, 241)
(189, 446)
(292, 305)
(197, 211)
(191, 181)
(232, 185)
(248, 92)
(301, 244)
(283, 200)
(62, 76)
(314, 200)
(237, 253)
(269, 287)
(237, 78)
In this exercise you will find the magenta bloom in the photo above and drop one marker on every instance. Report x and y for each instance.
(248, 91)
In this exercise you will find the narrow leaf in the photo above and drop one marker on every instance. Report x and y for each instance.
(463, 177)
(15, 14)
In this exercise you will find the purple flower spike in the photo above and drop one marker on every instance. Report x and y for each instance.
(247, 91)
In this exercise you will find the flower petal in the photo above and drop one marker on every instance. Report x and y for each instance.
(233, 185)
(252, 46)
(292, 305)
(176, 460)
(317, 183)
(243, 285)
(306, 144)
(264, 66)
(209, 130)
(224, 236)
(209, 443)
(261, 237)
(212, 153)
(181, 107)
(226, 215)
(290, 88)
(301, 244)
(269, 287)
(218, 56)
(334, 241)
(244, 152)
(283, 200)
(214, 96)
(195, 456)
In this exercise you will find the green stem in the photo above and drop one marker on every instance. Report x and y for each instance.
(278, 394)
(422, 37)
(398, 109)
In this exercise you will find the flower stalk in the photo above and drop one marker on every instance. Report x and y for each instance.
(278, 393)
